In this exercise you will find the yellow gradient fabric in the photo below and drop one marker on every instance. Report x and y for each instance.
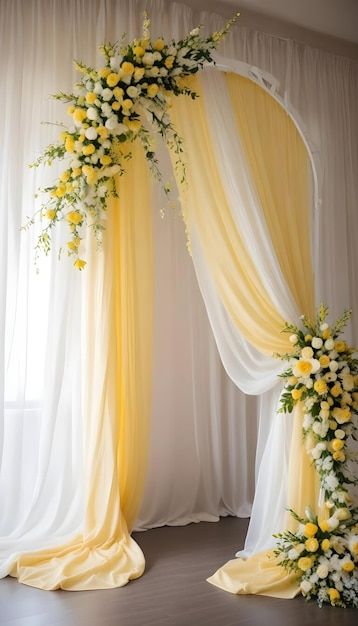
(260, 574)
(280, 166)
(280, 172)
(205, 207)
(117, 400)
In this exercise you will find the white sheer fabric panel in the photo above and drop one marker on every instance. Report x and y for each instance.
(38, 40)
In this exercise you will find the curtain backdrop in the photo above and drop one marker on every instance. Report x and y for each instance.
(218, 431)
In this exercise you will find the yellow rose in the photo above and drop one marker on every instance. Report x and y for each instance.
(138, 51)
(311, 544)
(138, 73)
(348, 566)
(76, 172)
(79, 115)
(296, 394)
(91, 97)
(334, 595)
(308, 338)
(65, 176)
(82, 137)
(60, 191)
(152, 90)
(336, 390)
(106, 159)
(104, 71)
(305, 563)
(112, 79)
(332, 424)
(74, 217)
(326, 333)
(324, 526)
(88, 149)
(127, 68)
(169, 62)
(339, 456)
(310, 529)
(337, 444)
(303, 368)
(340, 346)
(320, 386)
(69, 144)
(116, 106)
(134, 125)
(103, 132)
(292, 380)
(74, 244)
(342, 415)
(343, 513)
(325, 545)
(50, 214)
(70, 109)
(118, 93)
(127, 104)
(79, 264)
(324, 360)
(159, 44)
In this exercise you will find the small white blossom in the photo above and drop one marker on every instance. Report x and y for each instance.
(107, 94)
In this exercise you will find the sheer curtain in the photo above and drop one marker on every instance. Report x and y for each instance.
(203, 453)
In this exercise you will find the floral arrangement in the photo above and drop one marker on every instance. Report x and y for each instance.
(323, 375)
(125, 100)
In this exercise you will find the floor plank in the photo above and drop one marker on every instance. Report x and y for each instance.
(173, 591)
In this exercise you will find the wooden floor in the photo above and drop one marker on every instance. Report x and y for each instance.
(172, 592)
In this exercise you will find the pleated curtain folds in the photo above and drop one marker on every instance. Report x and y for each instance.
(267, 174)
(117, 390)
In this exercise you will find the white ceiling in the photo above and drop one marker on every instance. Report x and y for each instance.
(332, 17)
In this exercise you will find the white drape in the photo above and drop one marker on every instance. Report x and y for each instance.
(204, 431)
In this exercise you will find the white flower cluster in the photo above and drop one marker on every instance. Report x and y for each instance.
(323, 377)
(110, 108)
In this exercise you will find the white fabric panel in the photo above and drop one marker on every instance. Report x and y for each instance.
(38, 40)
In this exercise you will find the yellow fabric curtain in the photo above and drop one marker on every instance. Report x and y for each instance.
(283, 186)
(206, 208)
(281, 169)
(117, 401)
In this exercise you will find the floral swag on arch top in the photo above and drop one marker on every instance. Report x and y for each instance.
(127, 100)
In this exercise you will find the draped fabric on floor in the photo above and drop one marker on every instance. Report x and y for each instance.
(62, 332)
(220, 218)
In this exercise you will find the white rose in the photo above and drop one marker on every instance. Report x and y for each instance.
(331, 482)
(330, 377)
(322, 570)
(308, 382)
(154, 71)
(305, 586)
(75, 163)
(348, 382)
(293, 554)
(293, 339)
(91, 133)
(89, 85)
(98, 88)
(132, 92)
(329, 344)
(317, 343)
(122, 129)
(339, 433)
(307, 352)
(92, 113)
(157, 56)
(94, 159)
(107, 94)
(163, 71)
(194, 32)
(148, 58)
(316, 366)
(323, 326)
(111, 123)
(333, 366)
(333, 355)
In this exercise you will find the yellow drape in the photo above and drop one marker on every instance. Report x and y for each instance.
(117, 401)
(206, 208)
(280, 171)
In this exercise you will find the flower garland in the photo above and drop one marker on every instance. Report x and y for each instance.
(125, 100)
(323, 375)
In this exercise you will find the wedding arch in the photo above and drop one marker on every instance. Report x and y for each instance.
(250, 256)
